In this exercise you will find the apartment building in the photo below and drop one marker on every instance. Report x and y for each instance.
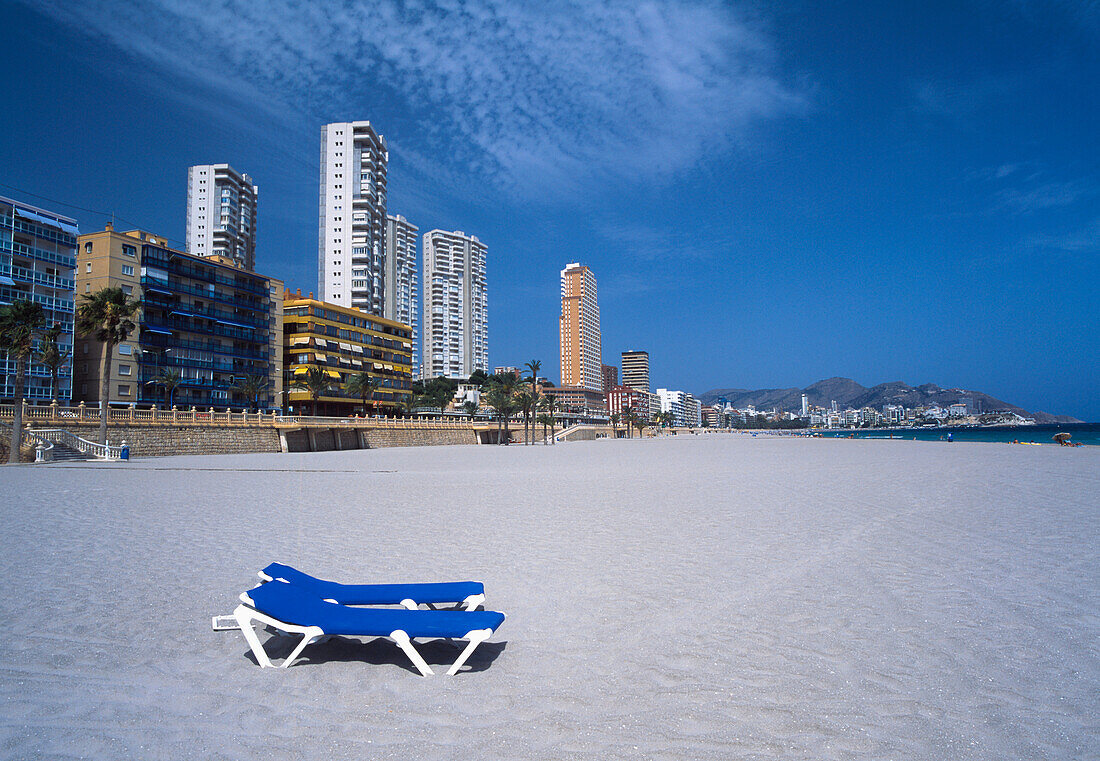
(37, 261)
(401, 282)
(351, 245)
(202, 321)
(455, 309)
(344, 342)
(579, 329)
(221, 214)
(636, 369)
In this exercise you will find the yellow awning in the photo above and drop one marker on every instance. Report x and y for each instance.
(301, 370)
(333, 374)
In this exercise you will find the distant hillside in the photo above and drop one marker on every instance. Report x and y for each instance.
(847, 393)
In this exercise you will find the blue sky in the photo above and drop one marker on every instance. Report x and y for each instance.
(767, 196)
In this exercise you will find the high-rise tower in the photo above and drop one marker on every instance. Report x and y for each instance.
(402, 295)
(221, 214)
(579, 327)
(636, 369)
(455, 313)
(351, 244)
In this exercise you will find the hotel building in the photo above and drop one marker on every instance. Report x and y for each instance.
(214, 323)
(37, 259)
(579, 328)
(685, 408)
(455, 313)
(344, 342)
(221, 214)
(351, 245)
(402, 291)
(636, 369)
(622, 398)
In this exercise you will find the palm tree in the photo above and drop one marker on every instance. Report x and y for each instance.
(550, 404)
(316, 381)
(525, 400)
(498, 399)
(615, 423)
(640, 423)
(628, 418)
(545, 420)
(251, 386)
(105, 315)
(169, 380)
(363, 386)
(51, 355)
(20, 322)
(470, 406)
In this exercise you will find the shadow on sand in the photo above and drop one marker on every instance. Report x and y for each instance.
(380, 651)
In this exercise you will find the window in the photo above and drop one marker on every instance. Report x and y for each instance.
(125, 349)
(83, 388)
(128, 290)
(87, 266)
(84, 368)
(129, 250)
(87, 288)
(124, 389)
(88, 247)
(128, 269)
(85, 345)
(124, 370)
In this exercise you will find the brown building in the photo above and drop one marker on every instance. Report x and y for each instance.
(610, 377)
(578, 400)
(209, 328)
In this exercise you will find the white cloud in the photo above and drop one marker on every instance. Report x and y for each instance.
(533, 96)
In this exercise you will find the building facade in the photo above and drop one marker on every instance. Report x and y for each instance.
(642, 403)
(221, 214)
(579, 400)
(401, 301)
(636, 369)
(37, 262)
(210, 325)
(351, 245)
(344, 342)
(610, 377)
(579, 329)
(455, 329)
(685, 408)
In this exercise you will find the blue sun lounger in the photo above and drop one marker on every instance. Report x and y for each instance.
(468, 593)
(293, 610)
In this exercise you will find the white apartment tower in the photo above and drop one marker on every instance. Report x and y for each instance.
(579, 329)
(221, 214)
(351, 245)
(455, 314)
(402, 292)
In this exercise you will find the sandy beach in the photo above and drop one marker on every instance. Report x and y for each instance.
(682, 598)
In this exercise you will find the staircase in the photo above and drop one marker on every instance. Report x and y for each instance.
(64, 453)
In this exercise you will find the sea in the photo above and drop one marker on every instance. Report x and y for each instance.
(1080, 433)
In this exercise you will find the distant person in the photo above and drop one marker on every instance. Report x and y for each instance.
(950, 437)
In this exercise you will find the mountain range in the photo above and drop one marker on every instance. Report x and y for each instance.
(847, 393)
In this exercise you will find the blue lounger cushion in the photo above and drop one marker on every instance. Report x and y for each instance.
(376, 594)
(294, 605)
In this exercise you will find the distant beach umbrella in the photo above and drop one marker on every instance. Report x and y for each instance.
(1061, 438)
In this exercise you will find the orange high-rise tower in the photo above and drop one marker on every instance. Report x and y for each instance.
(580, 329)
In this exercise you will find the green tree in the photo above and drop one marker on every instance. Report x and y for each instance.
(169, 380)
(615, 417)
(525, 401)
(316, 381)
(251, 386)
(106, 315)
(20, 323)
(51, 355)
(470, 407)
(363, 386)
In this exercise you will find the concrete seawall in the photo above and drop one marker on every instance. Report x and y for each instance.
(163, 440)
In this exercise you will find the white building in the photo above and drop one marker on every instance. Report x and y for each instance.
(221, 214)
(805, 406)
(401, 284)
(351, 245)
(685, 408)
(455, 305)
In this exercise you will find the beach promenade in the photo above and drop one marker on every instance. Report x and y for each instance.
(692, 597)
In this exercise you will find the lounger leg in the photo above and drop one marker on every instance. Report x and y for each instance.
(244, 620)
(311, 635)
(403, 642)
(476, 638)
(473, 601)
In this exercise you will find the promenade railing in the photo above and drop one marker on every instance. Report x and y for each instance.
(54, 415)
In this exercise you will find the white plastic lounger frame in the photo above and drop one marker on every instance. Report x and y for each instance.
(246, 614)
(470, 602)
